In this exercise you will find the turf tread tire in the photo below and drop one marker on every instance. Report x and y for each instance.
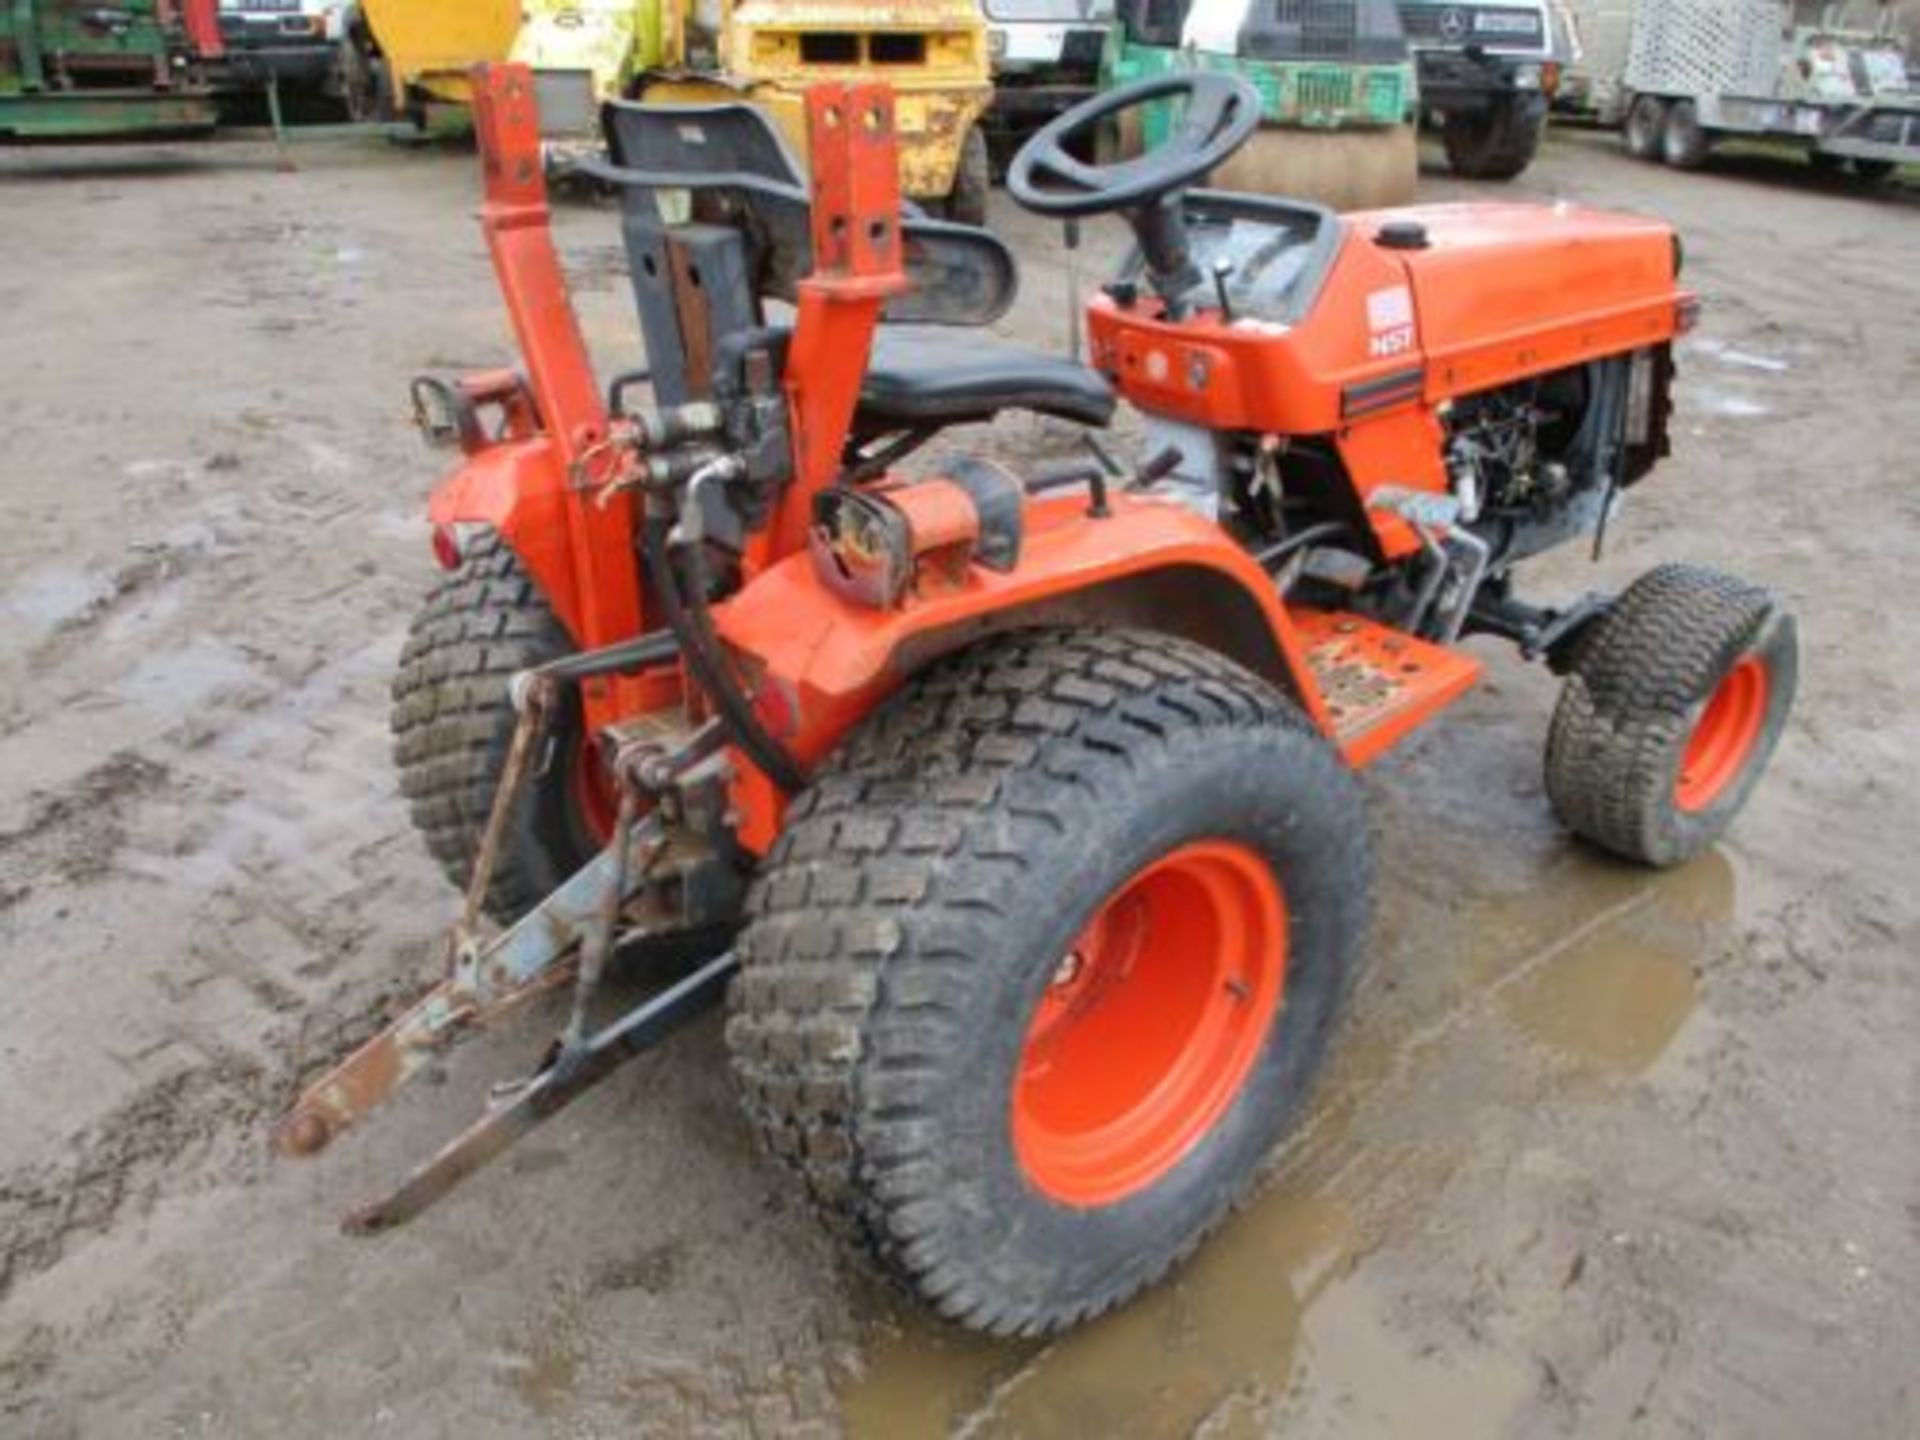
(1637, 685)
(868, 924)
(453, 722)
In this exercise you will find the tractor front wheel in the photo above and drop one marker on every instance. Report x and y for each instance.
(1674, 704)
(1044, 964)
(453, 722)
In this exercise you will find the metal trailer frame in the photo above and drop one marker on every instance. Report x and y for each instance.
(1595, 81)
(1728, 59)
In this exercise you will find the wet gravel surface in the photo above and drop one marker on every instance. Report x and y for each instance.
(1603, 1153)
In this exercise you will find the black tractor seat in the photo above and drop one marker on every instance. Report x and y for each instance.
(918, 378)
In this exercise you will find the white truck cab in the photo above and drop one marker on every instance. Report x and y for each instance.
(292, 42)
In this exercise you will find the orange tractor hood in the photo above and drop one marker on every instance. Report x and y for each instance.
(1494, 276)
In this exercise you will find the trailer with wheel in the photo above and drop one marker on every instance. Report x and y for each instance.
(1789, 71)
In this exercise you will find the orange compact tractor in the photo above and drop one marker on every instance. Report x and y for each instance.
(1014, 812)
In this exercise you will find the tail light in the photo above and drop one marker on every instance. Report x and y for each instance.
(446, 547)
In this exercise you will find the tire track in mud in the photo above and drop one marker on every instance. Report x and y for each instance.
(74, 834)
(74, 838)
(122, 1160)
(137, 821)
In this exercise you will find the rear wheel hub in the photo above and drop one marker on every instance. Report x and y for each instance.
(1150, 1024)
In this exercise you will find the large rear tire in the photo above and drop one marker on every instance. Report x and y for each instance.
(453, 722)
(1674, 704)
(1043, 966)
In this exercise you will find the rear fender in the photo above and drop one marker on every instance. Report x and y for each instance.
(519, 489)
(821, 663)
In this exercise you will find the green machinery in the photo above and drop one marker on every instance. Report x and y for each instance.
(1337, 78)
(81, 70)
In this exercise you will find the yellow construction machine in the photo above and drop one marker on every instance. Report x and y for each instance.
(932, 52)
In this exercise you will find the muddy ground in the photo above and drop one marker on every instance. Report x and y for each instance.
(1603, 1153)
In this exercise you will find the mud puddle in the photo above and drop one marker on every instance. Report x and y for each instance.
(1611, 992)
(1593, 971)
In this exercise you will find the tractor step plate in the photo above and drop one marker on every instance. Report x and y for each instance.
(1378, 684)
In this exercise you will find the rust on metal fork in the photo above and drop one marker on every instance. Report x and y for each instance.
(398, 1053)
(535, 703)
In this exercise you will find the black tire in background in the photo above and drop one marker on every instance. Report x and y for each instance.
(1639, 692)
(922, 901)
(1645, 127)
(966, 203)
(1684, 142)
(453, 722)
(1497, 143)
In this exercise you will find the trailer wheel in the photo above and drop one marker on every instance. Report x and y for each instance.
(1494, 144)
(453, 722)
(1673, 706)
(1684, 142)
(1646, 124)
(966, 203)
(1044, 964)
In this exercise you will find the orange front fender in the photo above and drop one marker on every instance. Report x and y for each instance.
(519, 489)
(823, 662)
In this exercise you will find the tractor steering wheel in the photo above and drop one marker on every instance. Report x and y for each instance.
(1221, 112)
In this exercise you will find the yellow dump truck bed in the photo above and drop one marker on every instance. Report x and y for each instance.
(430, 45)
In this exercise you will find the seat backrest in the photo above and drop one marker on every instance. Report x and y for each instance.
(693, 140)
(737, 172)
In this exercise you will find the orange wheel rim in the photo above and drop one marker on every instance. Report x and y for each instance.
(1724, 739)
(1151, 1024)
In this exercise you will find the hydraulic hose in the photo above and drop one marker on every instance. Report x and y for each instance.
(692, 625)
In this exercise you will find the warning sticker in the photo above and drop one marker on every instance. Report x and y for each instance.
(1390, 318)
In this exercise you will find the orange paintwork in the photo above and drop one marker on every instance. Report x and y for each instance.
(1501, 291)
(539, 492)
(1394, 335)
(1404, 682)
(1509, 290)
(835, 660)
(856, 265)
(1152, 1025)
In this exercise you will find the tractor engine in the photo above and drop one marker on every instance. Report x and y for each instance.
(1506, 449)
(1538, 461)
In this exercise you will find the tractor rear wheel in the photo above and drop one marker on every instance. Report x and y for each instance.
(1673, 706)
(453, 722)
(1043, 966)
